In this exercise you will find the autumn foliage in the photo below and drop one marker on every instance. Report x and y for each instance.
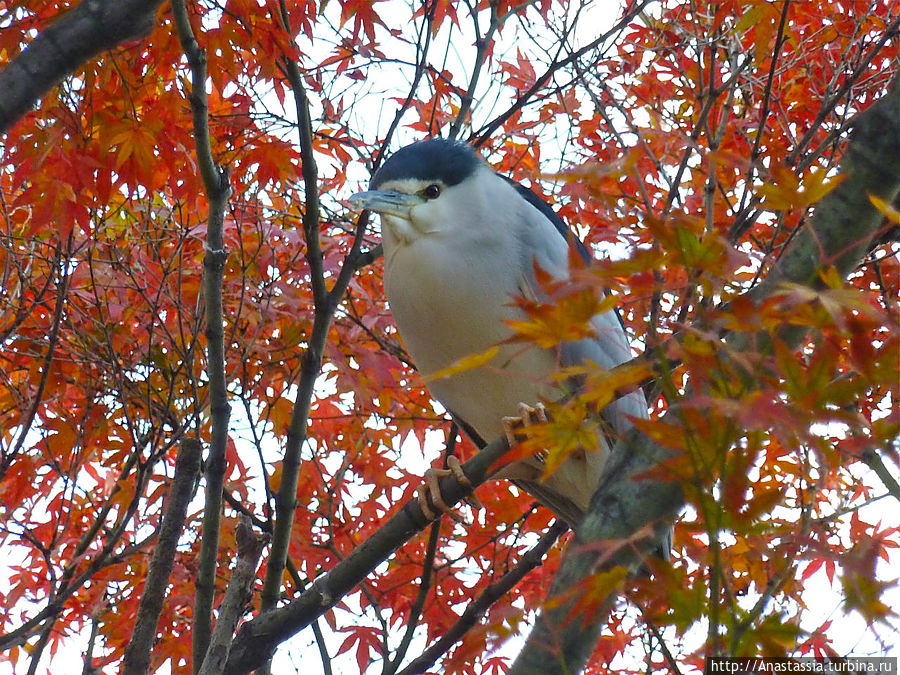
(687, 144)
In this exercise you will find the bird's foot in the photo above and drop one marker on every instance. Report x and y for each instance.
(432, 490)
(528, 415)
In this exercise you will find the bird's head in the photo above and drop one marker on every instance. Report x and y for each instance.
(424, 189)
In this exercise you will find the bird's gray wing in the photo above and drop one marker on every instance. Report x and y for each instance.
(545, 240)
(607, 349)
(552, 216)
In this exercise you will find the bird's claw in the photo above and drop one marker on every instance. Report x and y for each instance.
(432, 490)
(528, 416)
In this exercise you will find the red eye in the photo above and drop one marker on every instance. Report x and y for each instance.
(433, 191)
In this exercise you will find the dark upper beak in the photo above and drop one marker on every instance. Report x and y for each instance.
(387, 202)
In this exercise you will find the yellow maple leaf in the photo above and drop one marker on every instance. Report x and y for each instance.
(465, 363)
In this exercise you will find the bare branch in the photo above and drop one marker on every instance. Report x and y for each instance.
(78, 35)
(249, 548)
(139, 649)
(215, 181)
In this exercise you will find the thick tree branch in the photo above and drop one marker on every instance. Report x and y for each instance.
(249, 548)
(187, 466)
(622, 506)
(80, 34)
(215, 182)
(837, 235)
(257, 639)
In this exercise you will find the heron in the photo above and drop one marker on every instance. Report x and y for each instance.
(461, 242)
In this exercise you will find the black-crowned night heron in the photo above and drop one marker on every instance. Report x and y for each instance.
(460, 242)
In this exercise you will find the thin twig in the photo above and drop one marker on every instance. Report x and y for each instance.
(479, 607)
(480, 137)
(415, 611)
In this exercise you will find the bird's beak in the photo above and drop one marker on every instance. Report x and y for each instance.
(385, 202)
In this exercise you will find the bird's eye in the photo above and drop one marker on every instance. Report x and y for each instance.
(432, 191)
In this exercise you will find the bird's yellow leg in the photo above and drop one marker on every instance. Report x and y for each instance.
(528, 415)
(432, 490)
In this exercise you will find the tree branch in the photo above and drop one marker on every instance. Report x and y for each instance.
(249, 548)
(286, 499)
(257, 639)
(873, 460)
(80, 34)
(215, 182)
(622, 506)
(187, 466)
(326, 303)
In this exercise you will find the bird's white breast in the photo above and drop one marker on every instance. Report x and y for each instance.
(450, 293)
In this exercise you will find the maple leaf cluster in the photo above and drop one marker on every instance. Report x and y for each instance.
(688, 145)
